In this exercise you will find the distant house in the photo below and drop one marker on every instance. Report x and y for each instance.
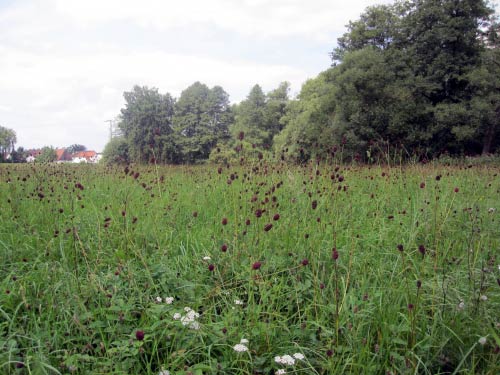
(62, 155)
(32, 155)
(85, 157)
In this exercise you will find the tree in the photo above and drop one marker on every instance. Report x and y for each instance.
(19, 155)
(146, 123)
(202, 117)
(484, 129)
(75, 148)
(276, 105)
(116, 151)
(8, 140)
(308, 121)
(378, 26)
(415, 87)
(250, 118)
(47, 155)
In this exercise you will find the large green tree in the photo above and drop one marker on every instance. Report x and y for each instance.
(308, 121)
(407, 74)
(202, 118)
(146, 123)
(8, 140)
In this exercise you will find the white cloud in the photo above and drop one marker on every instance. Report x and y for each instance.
(66, 63)
(260, 18)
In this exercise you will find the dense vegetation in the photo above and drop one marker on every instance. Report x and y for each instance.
(412, 79)
(137, 270)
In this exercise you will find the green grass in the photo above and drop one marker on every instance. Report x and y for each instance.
(86, 251)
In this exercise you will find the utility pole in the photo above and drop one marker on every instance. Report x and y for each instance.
(111, 122)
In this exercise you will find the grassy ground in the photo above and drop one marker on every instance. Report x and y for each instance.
(351, 269)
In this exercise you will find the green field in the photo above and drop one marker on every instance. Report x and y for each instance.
(352, 269)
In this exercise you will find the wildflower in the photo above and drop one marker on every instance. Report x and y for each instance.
(206, 257)
(276, 217)
(281, 371)
(461, 306)
(169, 300)
(223, 248)
(224, 221)
(195, 326)
(484, 298)
(268, 227)
(455, 190)
(240, 348)
(491, 210)
(164, 372)
(298, 356)
(285, 360)
(419, 284)
(177, 316)
(421, 249)
(158, 299)
(256, 265)
(238, 302)
(305, 262)
(243, 341)
(400, 247)
(482, 340)
(335, 254)
(139, 335)
(211, 267)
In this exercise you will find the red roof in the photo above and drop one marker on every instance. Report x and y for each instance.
(62, 154)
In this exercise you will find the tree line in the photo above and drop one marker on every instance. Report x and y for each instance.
(419, 78)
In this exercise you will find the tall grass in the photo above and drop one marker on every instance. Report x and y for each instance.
(359, 269)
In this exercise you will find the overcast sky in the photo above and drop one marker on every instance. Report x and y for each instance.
(64, 64)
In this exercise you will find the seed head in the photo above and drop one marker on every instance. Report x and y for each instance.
(139, 335)
(335, 254)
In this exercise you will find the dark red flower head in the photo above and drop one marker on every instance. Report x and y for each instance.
(256, 265)
(335, 254)
(400, 247)
(268, 227)
(139, 335)
(224, 221)
(421, 249)
(211, 267)
(223, 248)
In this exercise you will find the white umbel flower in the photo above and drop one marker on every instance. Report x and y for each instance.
(169, 300)
(285, 360)
(482, 340)
(240, 348)
(298, 356)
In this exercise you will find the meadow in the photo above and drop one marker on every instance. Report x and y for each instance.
(259, 269)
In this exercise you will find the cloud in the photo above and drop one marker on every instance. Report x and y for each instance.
(66, 63)
(258, 18)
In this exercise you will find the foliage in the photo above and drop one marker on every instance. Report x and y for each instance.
(259, 116)
(146, 123)
(202, 118)
(75, 148)
(7, 141)
(47, 155)
(116, 151)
